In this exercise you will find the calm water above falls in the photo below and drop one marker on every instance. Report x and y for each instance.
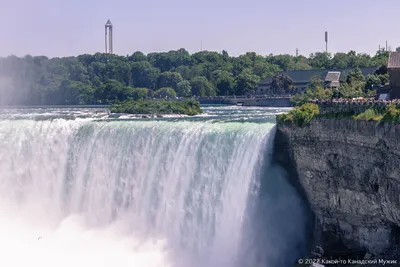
(179, 192)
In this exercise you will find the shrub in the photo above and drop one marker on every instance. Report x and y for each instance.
(392, 114)
(301, 115)
(369, 114)
(165, 92)
(188, 107)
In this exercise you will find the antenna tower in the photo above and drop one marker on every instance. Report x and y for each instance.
(326, 42)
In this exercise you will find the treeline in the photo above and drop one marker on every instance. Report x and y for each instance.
(103, 78)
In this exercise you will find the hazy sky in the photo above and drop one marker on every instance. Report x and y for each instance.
(72, 27)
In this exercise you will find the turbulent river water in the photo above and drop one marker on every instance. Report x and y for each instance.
(81, 188)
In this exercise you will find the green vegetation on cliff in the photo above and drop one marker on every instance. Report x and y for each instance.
(105, 79)
(390, 113)
(188, 107)
(302, 115)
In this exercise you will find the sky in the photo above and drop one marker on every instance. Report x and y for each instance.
(58, 28)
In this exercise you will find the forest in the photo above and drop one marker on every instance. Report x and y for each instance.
(106, 78)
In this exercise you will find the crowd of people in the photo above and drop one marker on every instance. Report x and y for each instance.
(359, 100)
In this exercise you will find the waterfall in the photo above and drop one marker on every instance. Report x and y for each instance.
(143, 193)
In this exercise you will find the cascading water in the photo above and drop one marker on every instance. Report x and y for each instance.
(144, 193)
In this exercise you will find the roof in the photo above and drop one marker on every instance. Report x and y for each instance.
(305, 76)
(332, 76)
(394, 60)
(298, 76)
(335, 84)
(108, 23)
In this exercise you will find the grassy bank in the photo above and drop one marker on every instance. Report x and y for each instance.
(187, 107)
(302, 115)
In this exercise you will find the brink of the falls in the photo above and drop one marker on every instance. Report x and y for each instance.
(145, 193)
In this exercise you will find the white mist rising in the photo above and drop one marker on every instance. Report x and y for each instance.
(133, 193)
(29, 237)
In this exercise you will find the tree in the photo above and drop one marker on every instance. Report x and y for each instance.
(184, 89)
(381, 58)
(284, 62)
(241, 63)
(355, 76)
(314, 90)
(225, 56)
(301, 115)
(263, 69)
(340, 61)
(137, 56)
(144, 75)
(348, 91)
(86, 94)
(384, 79)
(281, 84)
(114, 91)
(69, 93)
(165, 92)
(382, 70)
(137, 93)
(246, 82)
(372, 80)
(320, 60)
(316, 82)
(202, 87)
(224, 82)
(169, 79)
(184, 71)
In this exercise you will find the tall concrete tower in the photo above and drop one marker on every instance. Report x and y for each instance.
(109, 41)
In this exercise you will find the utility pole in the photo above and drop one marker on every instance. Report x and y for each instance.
(297, 52)
(386, 46)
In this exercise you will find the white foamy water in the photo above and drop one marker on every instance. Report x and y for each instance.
(31, 237)
(140, 193)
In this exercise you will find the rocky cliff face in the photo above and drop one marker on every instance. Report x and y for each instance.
(350, 173)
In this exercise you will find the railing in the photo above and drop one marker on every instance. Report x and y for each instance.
(365, 101)
(242, 97)
(356, 106)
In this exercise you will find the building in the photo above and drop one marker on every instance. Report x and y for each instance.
(301, 78)
(394, 74)
(332, 79)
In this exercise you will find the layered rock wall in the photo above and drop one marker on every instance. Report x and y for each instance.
(350, 173)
